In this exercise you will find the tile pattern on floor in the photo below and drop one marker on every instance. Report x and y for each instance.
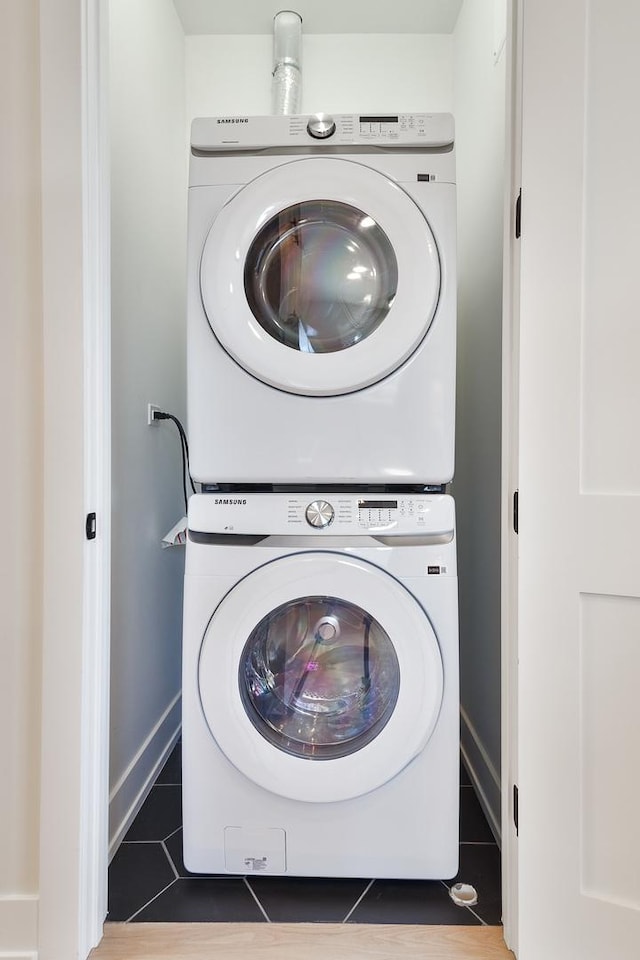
(148, 881)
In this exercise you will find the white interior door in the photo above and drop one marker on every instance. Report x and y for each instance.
(579, 467)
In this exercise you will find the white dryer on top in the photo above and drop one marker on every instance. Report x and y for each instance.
(321, 310)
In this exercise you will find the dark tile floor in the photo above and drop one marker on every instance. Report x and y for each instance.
(148, 880)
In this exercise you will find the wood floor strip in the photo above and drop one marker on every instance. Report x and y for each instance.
(290, 941)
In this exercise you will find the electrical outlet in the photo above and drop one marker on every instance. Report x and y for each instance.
(151, 410)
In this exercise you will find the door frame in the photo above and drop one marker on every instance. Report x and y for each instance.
(510, 462)
(77, 440)
(77, 476)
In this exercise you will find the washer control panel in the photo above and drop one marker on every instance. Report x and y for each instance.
(358, 515)
(321, 514)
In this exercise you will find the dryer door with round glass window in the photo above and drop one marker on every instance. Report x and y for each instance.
(320, 676)
(320, 277)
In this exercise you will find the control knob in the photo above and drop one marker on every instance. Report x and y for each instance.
(321, 126)
(319, 514)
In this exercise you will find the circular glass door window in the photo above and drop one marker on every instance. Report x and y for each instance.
(319, 677)
(319, 655)
(320, 276)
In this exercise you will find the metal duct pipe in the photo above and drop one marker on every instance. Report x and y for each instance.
(287, 57)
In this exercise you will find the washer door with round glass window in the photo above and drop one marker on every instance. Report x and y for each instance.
(320, 277)
(320, 676)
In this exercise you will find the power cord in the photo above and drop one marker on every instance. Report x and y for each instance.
(184, 449)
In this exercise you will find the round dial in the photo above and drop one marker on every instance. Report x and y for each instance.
(321, 126)
(319, 513)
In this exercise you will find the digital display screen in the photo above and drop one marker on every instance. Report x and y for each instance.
(378, 119)
(377, 504)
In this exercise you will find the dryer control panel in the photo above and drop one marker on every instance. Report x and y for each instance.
(240, 133)
(322, 515)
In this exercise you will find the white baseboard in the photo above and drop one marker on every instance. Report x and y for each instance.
(483, 774)
(132, 789)
(18, 927)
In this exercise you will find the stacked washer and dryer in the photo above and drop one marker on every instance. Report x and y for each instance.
(320, 651)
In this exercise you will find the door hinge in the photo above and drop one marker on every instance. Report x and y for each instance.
(515, 808)
(519, 215)
(90, 526)
(515, 511)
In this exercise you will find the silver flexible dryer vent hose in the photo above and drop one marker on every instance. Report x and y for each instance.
(287, 58)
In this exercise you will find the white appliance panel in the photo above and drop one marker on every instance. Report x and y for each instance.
(309, 380)
(388, 808)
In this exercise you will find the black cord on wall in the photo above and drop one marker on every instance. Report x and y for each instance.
(184, 449)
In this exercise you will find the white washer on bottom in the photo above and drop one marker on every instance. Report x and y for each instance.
(320, 685)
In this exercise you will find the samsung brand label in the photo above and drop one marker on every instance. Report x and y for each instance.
(233, 120)
(230, 501)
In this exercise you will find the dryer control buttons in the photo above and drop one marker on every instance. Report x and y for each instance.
(319, 513)
(321, 126)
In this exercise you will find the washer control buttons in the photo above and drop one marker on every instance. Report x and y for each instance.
(319, 514)
(321, 126)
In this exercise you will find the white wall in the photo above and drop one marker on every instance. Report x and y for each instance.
(21, 473)
(479, 97)
(340, 73)
(149, 192)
